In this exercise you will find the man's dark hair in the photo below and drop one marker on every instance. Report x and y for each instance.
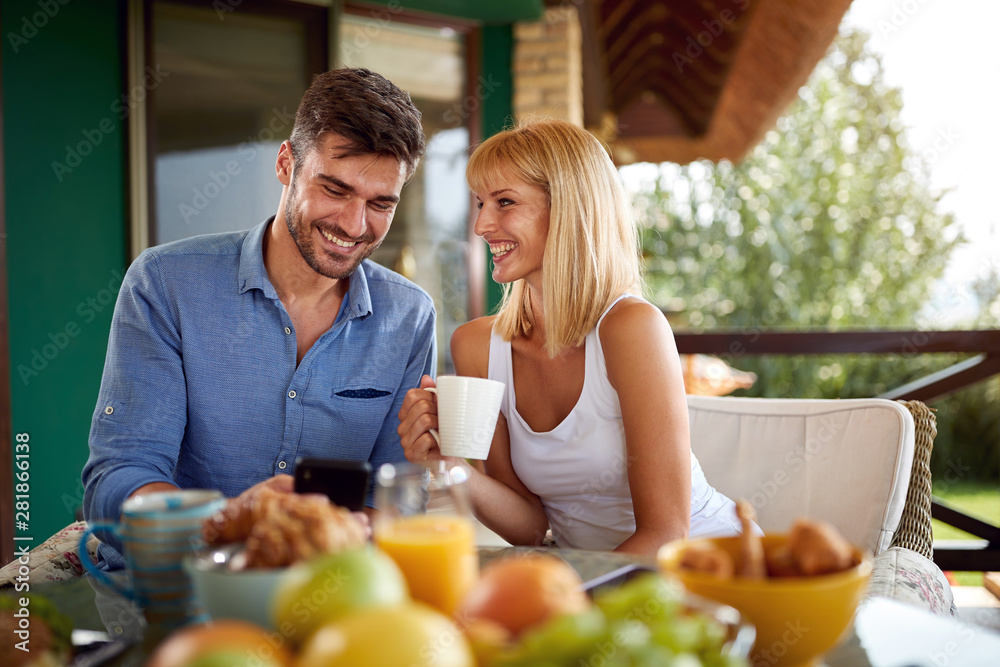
(372, 113)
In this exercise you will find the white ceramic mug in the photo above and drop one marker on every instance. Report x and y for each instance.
(468, 408)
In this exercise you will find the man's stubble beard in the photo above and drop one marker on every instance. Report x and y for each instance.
(304, 242)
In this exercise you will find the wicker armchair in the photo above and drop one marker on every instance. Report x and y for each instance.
(914, 530)
(846, 461)
(864, 467)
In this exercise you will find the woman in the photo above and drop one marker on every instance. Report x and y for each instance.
(593, 439)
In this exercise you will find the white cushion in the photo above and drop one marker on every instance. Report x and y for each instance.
(843, 461)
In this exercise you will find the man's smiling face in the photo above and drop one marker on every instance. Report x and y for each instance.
(339, 209)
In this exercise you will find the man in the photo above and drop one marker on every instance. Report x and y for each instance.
(231, 355)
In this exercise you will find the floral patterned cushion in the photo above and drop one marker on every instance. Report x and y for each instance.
(55, 559)
(906, 576)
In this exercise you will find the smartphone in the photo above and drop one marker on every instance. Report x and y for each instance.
(344, 482)
(616, 578)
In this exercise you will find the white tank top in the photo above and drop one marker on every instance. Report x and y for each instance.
(578, 468)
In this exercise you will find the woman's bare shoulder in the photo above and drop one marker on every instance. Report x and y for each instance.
(632, 317)
(470, 346)
(636, 340)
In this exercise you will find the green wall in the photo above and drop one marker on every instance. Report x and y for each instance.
(498, 111)
(66, 245)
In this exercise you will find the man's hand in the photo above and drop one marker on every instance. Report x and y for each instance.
(232, 523)
(155, 487)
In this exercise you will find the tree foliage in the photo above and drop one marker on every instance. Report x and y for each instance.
(830, 224)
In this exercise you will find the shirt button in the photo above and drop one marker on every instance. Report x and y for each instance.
(288, 330)
(282, 465)
(108, 410)
(291, 394)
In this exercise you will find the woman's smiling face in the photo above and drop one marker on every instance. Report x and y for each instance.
(514, 220)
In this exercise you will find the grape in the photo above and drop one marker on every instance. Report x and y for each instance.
(652, 655)
(618, 644)
(629, 634)
(686, 660)
(561, 638)
(645, 598)
(682, 633)
(643, 623)
(715, 634)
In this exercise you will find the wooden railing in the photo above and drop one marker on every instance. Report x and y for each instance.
(982, 554)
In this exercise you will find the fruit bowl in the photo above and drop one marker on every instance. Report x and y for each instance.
(798, 619)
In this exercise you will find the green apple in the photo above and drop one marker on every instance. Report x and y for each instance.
(233, 658)
(310, 594)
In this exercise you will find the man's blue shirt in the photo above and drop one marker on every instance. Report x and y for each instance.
(201, 387)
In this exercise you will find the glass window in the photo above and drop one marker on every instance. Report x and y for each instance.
(227, 102)
(428, 241)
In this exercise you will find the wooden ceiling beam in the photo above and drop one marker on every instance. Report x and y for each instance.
(783, 41)
(700, 73)
(693, 113)
(620, 39)
(694, 104)
(643, 79)
(612, 12)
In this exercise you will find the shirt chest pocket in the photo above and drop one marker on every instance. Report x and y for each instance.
(358, 412)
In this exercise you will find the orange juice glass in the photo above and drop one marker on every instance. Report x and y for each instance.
(437, 554)
(425, 524)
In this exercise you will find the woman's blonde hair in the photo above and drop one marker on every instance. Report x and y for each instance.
(592, 251)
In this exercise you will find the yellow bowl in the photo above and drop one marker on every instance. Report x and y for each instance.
(798, 619)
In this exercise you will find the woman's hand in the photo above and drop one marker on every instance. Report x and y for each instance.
(416, 418)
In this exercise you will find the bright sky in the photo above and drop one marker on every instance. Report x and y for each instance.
(945, 57)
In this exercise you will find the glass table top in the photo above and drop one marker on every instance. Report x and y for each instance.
(885, 633)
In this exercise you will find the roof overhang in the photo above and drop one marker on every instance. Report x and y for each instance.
(690, 80)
